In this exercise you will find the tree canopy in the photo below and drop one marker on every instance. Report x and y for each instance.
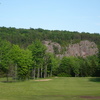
(23, 55)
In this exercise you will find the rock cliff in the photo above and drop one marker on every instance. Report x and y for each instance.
(83, 49)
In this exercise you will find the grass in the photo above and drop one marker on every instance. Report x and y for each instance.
(62, 88)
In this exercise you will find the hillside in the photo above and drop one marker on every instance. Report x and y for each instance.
(38, 53)
(24, 37)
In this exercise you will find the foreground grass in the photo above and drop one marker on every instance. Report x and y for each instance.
(68, 88)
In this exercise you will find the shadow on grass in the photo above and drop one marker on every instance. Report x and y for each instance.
(95, 79)
(8, 81)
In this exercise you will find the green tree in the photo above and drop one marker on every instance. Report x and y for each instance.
(5, 60)
(22, 62)
(52, 64)
(38, 52)
(98, 69)
(69, 66)
(75, 65)
(15, 56)
(96, 63)
(65, 67)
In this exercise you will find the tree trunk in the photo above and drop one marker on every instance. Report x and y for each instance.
(45, 72)
(38, 72)
(15, 72)
(33, 73)
(7, 77)
(28, 73)
(51, 73)
(41, 72)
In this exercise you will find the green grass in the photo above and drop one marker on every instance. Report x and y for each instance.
(62, 88)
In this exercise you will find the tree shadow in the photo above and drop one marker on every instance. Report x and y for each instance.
(95, 79)
(8, 81)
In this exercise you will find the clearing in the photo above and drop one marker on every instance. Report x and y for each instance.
(60, 88)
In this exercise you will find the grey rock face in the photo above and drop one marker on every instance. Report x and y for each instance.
(83, 49)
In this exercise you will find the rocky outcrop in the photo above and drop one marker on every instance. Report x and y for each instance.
(51, 46)
(83, 49)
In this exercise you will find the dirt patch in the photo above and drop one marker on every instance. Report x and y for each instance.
(90, 97)
(44, 80)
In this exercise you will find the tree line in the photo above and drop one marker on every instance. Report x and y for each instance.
(34, 62)
(23, 56)
(21, 64)
(24, 37)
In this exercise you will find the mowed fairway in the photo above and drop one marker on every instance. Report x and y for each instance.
(63, 88)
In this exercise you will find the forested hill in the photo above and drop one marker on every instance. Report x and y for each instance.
(31, 53)
(24, 37)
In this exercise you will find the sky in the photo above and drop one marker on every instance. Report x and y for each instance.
(70, 15)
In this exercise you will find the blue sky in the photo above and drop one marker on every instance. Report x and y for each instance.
(72, 15)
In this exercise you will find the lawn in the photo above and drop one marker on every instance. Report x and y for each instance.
(61, 88)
